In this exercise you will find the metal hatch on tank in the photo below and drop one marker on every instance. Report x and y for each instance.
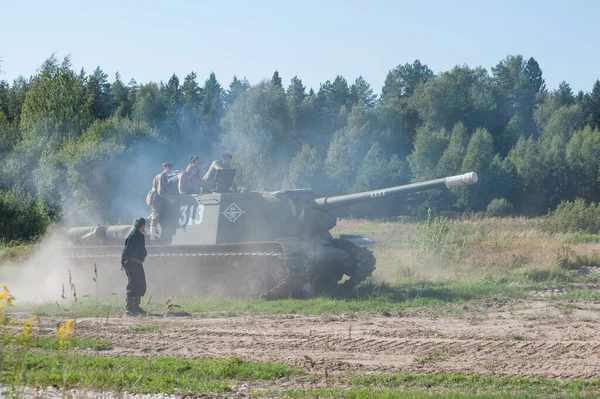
(248, 244)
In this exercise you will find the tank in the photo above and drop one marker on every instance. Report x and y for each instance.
(247, 244)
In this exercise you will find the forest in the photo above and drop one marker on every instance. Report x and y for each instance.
(80, 147)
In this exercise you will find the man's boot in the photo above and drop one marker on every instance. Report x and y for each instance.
(138, 309)
(130, 308)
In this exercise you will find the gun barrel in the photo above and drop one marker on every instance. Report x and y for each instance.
(327, 203)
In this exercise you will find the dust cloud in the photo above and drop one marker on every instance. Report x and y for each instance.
(46, 275)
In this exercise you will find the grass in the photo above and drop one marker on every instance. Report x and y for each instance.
(52, 343)
(517, 337)
(371, 297)
(143, 329)
(412, 385)
(14, 251)
(152, 375)
(419, 394)
(202, 376)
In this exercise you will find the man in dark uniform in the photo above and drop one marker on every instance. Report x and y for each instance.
(132, 261)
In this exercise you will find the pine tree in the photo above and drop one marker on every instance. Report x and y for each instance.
(591, 104)
(236, 88)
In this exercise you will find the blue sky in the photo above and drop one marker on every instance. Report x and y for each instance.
(316, 40)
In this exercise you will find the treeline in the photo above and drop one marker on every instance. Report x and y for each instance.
(76, 144)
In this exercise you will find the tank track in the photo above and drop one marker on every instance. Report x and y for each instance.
(365, 265)
(363, 258)
(293, 283)
(296, 283)
(291, 274)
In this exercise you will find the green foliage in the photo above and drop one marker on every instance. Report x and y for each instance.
(9, 134)
(348, 146)
(591, 104)
(96, 163)
(21, 217)
(576, 216)
(404, 79)
(305, 169)
(528, 162)
(56, 107)
(499, 207)
(583, 155)
(431, 242)
(452, 158)
(429, 147)
(377, 171)
(257, 125)
(478, 158)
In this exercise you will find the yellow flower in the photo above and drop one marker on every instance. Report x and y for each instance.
(66, 331)
(6, 296)
(4, 292)
(27, 328)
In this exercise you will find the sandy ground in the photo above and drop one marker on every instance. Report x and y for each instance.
(510, 338)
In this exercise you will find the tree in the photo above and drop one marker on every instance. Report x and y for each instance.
(534, 77)
(564, 95)
(276, 80)
(591, 105)
(300, 108)
(149, 105)
(107, 170)
(306, 170)
(553, 142)
(236, 87)
(211, 110)
(347, 147)
(98, 89)
(529, 164)
(258, 129)
(452, 157)
(119, 98)
(8, 136)
(517, 85)
(402, 81)
(478, 158)
(429, 146)
(55, 106)
(461, 95)
(362, 91)
(583, 156)
(332, 105)
(379, 171)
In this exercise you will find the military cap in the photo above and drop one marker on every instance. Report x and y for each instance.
(167, 165)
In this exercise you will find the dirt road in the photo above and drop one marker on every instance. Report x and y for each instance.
(514, 338)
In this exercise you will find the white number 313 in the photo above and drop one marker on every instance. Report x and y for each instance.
(190, 214)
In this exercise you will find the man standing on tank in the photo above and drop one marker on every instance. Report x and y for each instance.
(155, 197)
(132, 261)
(223, 163)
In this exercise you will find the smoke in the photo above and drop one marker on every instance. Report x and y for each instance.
(45, 275)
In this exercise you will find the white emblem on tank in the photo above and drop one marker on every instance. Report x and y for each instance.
(233, 212)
